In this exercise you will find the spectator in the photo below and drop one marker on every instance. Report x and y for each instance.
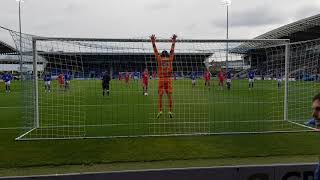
(316, 116)
(317, 173)
(316, 110)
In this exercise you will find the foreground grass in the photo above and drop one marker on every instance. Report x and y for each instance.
(194, 163)
(14, 154)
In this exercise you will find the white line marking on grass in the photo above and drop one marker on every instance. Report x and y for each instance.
(302, 125)
(11, 107)
(147, 104)
(168, 134)
(160, 123)
(18, 138)
(11, 128)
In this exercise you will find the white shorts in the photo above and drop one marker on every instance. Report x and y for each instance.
(67, 82)
(251, 80)
(47, 83)
(193, 81)
(228, 80)
(8, 82)
(279, 80)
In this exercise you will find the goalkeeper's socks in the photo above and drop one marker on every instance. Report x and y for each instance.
(159, 114)
(170, 114)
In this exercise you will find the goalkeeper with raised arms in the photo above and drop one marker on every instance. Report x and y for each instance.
(165, 70)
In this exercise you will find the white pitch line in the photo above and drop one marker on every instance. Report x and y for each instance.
(204, 103)
(97, 105)
(302, 125)
(11, 128)
(11, 107)
(18, 138)
(164, 123)
(169, 134)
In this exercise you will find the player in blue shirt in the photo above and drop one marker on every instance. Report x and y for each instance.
(279, 79)
(7, 77)
(251, 79)
(136, 75)
(311, 123)
(67, 79)
(229, 77)
(47, 82)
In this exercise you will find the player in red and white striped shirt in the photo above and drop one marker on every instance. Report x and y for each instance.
(145, 82)
(207, 78)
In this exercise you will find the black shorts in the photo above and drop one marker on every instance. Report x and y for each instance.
(105, 86)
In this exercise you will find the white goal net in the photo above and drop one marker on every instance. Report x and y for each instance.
(101, 88)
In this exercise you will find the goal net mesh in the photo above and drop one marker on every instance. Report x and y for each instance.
(217, 87)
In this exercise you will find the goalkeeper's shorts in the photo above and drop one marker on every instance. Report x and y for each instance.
(165, 86)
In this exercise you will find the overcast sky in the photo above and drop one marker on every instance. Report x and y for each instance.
(140, 18)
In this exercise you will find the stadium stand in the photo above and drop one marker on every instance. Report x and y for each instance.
(5, 48)
(307, 29)
(95, 64)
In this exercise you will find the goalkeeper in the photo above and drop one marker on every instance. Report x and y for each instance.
(164, 62)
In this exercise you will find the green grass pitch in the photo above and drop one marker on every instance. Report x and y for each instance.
(128, 113)
(83, 112)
